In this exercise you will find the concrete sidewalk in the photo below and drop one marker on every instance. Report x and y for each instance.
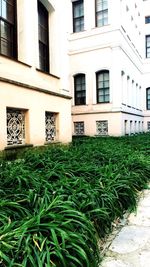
(131, 246)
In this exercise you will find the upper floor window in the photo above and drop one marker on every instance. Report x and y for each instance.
(147, 19)
(79, 89)
(148, 98)
(8, 28)
(78, 16)
(101, 13)
(148, 46)
(102, 86)
(43, 38)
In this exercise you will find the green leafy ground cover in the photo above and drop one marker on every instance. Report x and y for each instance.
(57, 202)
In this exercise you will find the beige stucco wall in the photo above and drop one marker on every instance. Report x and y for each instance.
(36, 104)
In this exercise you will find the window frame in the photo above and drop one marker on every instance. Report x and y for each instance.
(80, 18)
(82, 99)
(11, 24)
(147, 47)
(102, 89)
(147, 94)
(102, 13)
(147, 19)
(44, 64)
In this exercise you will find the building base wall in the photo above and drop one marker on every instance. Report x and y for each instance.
(38, 117)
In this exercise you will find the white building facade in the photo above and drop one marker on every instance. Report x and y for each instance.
(93, 55)
(109, 51)
(35, 103)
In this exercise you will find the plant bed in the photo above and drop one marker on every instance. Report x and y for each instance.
(57, 202)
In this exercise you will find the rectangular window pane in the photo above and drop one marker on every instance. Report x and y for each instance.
(7, 10)
(101, 13)
(78, 16)
(147, 19)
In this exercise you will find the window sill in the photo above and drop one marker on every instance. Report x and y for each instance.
(52, 142)
(47, 73)
(17, 146)
(15, 60)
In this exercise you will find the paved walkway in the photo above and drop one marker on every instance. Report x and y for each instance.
(131, 246)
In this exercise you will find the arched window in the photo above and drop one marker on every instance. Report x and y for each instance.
(102, 86)
(8, 28)
(80, 89)
(43, 37)
(148, 98)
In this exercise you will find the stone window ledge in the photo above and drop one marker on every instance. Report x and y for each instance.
(17, 146)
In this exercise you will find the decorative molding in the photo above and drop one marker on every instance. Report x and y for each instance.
(34, 88)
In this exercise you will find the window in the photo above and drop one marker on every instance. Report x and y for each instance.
(102, 127)
(101, 13)
(8, 28)
(148, 125)
(147, 19)
(50, 126)
(43, 38)
(79, 89)
(15, 127)
(78, 16)
(148, 98)
(79, 128)
(148, 46)
(102, 84)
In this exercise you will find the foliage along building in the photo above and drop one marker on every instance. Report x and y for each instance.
(96, 52)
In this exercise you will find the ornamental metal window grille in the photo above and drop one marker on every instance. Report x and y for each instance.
(102, 127)
(79, 128)
(101, 13)
(148, 125)
(50, 126)
(15, 127)
(78, 16)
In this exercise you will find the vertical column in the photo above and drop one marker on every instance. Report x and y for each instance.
(128, 92)
(136, 97)
(3, 128)
(89, 14)
(132, 94)
(139, 97)
(122, 87)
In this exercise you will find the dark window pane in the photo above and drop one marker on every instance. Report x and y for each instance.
(43, 38)
(8, 41)
(147, 19)
(101, 13)
(7, 10)
(79, 87)
(102, 79)
(78, 16)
